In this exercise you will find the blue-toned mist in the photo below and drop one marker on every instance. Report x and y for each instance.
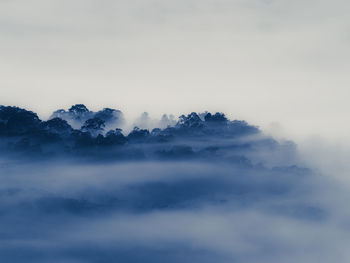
(76, 188)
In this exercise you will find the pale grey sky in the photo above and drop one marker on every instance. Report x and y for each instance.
(274, 63)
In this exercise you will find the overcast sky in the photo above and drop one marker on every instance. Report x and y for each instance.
(281, 64)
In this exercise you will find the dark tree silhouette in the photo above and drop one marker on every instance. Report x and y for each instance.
(78, 109)
(57, 125)
(192, 120)
(217, 118)
(115, 137)
(17, 121)
(193, 136)
(95, 126)
(138, 135)
(110, 115)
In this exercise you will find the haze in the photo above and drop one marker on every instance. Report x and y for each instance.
(282, 65)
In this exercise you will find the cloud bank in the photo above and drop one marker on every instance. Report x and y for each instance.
(203, 189)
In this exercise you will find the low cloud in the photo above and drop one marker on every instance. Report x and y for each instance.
(204, 189)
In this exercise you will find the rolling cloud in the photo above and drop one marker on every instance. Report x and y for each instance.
(203, 189)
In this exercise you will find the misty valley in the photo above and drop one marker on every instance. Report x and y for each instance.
(86, 186)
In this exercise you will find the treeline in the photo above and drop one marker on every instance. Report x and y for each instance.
(81, 131)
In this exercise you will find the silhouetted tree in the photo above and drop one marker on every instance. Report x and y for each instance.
(78, 109)
(17, 121)
(217, 118)
(138, 135)
(95, 126)
(114, 137)
(110, 116)
(57, 125)
(192, 120)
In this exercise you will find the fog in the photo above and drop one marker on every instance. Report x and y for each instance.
(264, 61)
(109, 182)
(204, 188)
(173, 211)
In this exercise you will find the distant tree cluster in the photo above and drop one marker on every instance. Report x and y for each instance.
(82, 131)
